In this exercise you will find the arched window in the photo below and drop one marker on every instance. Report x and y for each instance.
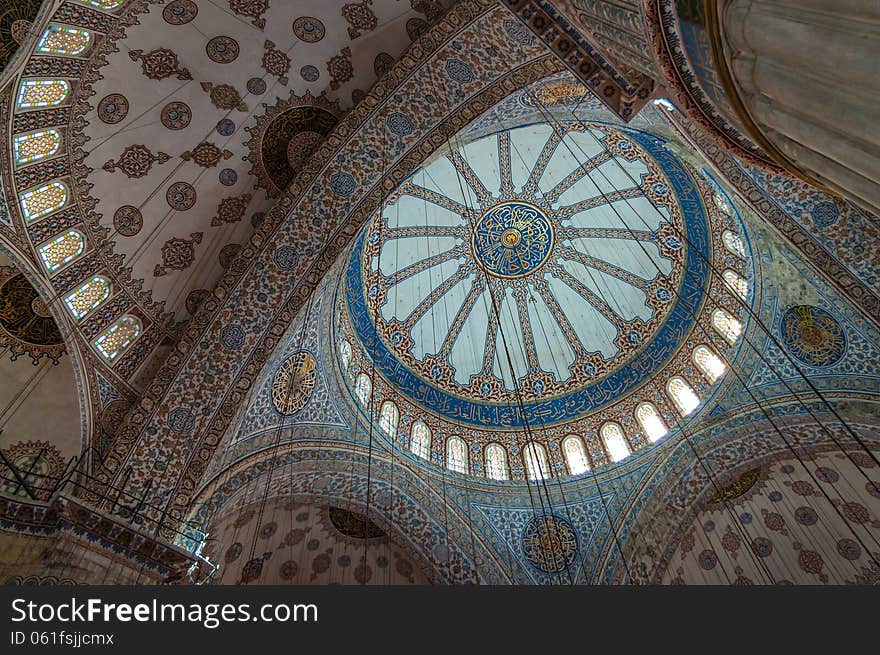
(420, 440)
(62, 250)
(709, 363)
(737, 283)
(43, 200)
(119, 336)
(362, 389)
(35, 146)
(734, 243)
(42, 93)
(456, 455)
(88, 296)
(615, 441)
(575, 455)
(345, 354)
(62, 40)
(105, 4)
(649, 418)
(726, 325)
(723, 204)
(388, 417)
(496, 462)
(535, 458)
(685, 399)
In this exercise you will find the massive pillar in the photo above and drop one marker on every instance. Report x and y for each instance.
(804, 78)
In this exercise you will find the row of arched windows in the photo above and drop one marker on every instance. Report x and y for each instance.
(535, 459)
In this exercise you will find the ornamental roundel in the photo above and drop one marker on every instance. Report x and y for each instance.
(294, 383)
(256, 85)
(813, 336)
(512, 239)
(26, 324)
(222, 49)
(113, 108)
(308, 29)
(180, 12)
(127, 220)
(549, 543)
(181, 196)
(176, 115)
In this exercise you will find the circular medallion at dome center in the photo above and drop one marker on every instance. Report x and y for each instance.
(512, 239)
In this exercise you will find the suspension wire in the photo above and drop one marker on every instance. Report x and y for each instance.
(757, 402)
(472, 212)
(497, 313)
(691, 311)
(602, 499)
(832, 409)
(588, 173)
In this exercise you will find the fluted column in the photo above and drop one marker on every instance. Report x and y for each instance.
(806, 74)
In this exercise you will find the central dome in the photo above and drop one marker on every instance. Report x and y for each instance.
(537, 273)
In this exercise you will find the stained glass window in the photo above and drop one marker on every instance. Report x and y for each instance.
(388, 417)
(649, 418)
(734, 243)
(723, 204)
(496, 462)
(536, 461)
(43, 200)
(737, 283)
(420, 440)
(345, 354)
(88, 296)
(42, 93)
(362, 388)
(456, 455)
(615, 441)
(685, 399)
(119, 336)
(575, 455)
(726, 325)
(105, 4)
(709, 363)
(35, 146)
(62, 40)
(62, 250)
